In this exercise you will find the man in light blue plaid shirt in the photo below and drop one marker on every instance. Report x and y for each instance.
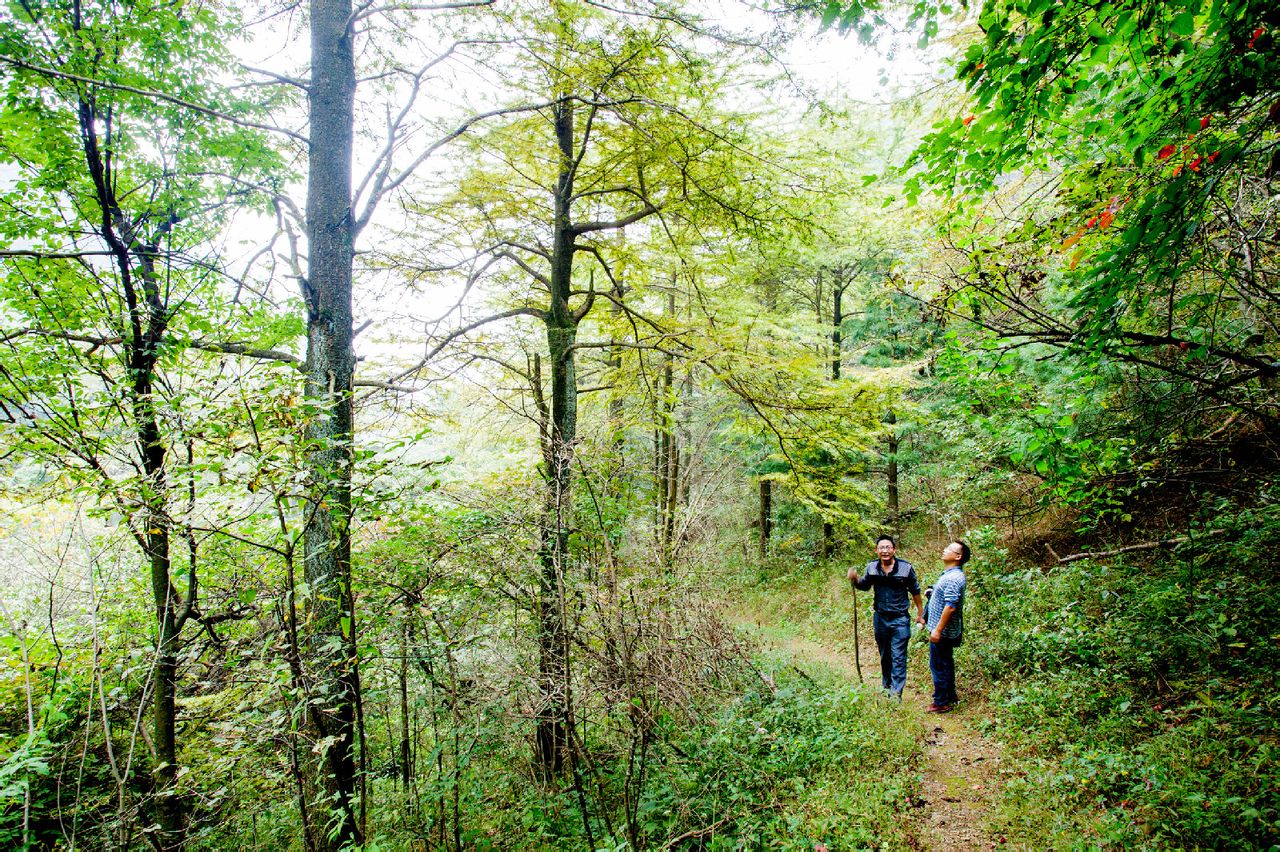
(946, 625)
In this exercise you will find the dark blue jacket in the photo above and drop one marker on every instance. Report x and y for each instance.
(893, 591)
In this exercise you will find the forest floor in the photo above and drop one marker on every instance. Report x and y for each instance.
(960, 767)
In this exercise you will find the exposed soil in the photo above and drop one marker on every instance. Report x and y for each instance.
(961, 775)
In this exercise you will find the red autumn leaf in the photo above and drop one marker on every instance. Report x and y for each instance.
(1194, 165)
(968, 121)
(1204, 122)
(1177, 170)
(1105, 219)
(1091, 222)
(1213, 158)
(1257, 34)
(1166, 152)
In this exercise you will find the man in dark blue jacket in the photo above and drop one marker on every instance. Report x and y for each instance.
(894, 580)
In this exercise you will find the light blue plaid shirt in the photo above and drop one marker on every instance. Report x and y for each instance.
(948, 591)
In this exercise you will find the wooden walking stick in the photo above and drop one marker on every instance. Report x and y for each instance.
(857, 654)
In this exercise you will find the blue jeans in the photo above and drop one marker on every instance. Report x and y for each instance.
(942, 665)
(892, 634)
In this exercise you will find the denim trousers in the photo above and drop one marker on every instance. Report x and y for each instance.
(942, 665)
(892, 634)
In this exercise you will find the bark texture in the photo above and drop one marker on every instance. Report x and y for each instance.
(330, 641)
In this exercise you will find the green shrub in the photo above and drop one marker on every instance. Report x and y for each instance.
(1140, 691)
(789, 767)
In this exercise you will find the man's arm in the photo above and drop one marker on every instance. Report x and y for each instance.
(862, 584)
(942, 622)
(919, 602)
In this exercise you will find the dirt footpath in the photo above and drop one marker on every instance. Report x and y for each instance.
(961, 767)
(961, 774)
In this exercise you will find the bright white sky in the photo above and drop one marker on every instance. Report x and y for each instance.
(834, 66)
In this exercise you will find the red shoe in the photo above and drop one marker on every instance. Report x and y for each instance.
(938, 708)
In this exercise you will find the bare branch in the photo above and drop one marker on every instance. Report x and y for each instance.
(533, 273)
(367, 10)
(588, 227)
(467, 329)
(1132, 548)
(240, 349)
(43, 255)
(391, 185)
(279, 78)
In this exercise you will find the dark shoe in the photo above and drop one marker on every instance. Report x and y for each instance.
(937, 708)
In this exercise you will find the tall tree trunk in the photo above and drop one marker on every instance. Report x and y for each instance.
(562, 329)
(330, 643)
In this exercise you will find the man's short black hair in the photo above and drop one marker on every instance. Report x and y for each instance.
(964, 552)
(887, 538)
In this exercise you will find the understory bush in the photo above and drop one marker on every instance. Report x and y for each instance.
(1138, 689)
(789, 765)
(794, 760)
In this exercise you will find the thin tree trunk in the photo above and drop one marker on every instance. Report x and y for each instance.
(766, 515)
(156, 535)
(892, 467)
(148, 318)
(669, 460)
(659, 465)
(685, 433)
(406, 756)
(617, 401)
(892, 419)
(669, 510)
(837, 320)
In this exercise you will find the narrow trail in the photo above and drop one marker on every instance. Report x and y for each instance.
(960, 767)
